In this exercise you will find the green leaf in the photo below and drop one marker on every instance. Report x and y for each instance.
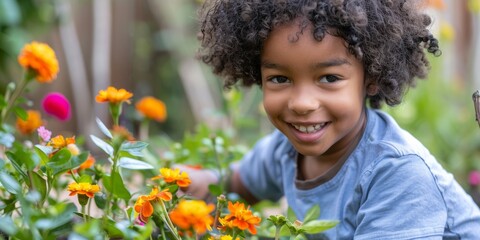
(215, 189)
(130, 163)
(103, 128)
(100, 200)
(134, 148)
(17, 166)
(9, 12)
(89, 229)
(24, 157)
(316, 226)
(10, 183)
(291, 215)
(8, 226)
(66, 162)
(43, 152)
(40, 184)
(65, 216)
(312, 214)
(61, 157)
(118, 189)
(21, 113)
(107, 148)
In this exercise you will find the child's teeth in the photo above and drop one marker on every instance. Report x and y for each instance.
(308, 129)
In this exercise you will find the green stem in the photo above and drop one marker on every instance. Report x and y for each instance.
(277, 232)
(168, 221)
(28, 75)
(83, 213)
(144, 127)
(217, 161)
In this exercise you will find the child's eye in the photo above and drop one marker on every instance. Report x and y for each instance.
(279, 79)
(329, 79)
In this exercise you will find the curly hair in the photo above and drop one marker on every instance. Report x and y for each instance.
(388, 36)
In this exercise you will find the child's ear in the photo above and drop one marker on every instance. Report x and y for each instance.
(372, 89)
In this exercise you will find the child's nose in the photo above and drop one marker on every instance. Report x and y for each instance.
(303, 101)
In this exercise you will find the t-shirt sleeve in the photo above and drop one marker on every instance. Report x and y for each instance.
(260, 169)
(400, 200)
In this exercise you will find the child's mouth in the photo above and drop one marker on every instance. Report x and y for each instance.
(309, 128)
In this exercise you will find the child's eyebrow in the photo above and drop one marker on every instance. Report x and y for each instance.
(329, 63)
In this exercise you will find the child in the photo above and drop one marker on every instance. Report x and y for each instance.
(318, 62)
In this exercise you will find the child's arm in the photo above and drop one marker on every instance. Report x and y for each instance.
(201, 178)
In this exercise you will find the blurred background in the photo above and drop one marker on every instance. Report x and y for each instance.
(148, 47)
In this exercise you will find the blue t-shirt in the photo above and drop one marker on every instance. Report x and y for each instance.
(390, 187)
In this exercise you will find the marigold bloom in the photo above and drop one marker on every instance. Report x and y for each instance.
(143, 205)
(88, 163)
(180, 178)
(193, 214)
(113, 95)
(122, 132)
(152, 108)
(240, 217)
(83, 188)
(57, 105)
(60, 141)
(31, 124)
(40, 58)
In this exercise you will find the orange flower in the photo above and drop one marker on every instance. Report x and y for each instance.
(60, 142)
(181, 179)
(113, 95)
(83, 188)
(31, 124)
(122, 133)
(143, 205)
(152, 108)
(437, 4)
(240, 217)
(193, 214)
(88, 163)
(40, 58)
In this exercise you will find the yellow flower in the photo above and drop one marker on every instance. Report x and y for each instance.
(240, 217)
(60, 141)
(152, 108)
(31, 124)
(181, 179)
(113, 95)
(223, 237)
(83, 188)
(143, 205)
(193, 214)
(40, 58)
(446, 31)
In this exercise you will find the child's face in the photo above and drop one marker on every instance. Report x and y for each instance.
(313, 91)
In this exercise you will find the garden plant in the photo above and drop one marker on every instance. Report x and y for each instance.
(51, 187)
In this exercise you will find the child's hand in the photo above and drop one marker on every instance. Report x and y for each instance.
(201, 179)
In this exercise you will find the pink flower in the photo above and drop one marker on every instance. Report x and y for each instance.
(56, 104)
(474, 178)
(44, 133)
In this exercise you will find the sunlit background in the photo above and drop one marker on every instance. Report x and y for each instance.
(148, 47)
